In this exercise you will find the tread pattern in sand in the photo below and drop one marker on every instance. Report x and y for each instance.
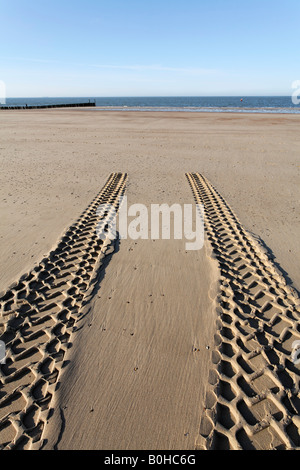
(38, 317)
(252, 400)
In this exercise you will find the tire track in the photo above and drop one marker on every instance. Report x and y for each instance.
(38, 317)
(252, 399)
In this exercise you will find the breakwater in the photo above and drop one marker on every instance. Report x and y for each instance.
(46, 106)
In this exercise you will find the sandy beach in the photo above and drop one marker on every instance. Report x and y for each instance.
(141, 344)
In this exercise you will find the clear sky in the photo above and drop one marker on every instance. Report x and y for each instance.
(149, 48)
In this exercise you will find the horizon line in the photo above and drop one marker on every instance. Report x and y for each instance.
(156, 96)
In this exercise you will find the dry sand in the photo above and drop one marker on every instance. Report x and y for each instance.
(54, 162)
(139, 373)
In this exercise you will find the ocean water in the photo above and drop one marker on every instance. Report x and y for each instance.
(242, 104)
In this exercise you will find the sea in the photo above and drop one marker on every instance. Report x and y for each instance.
(196, 104)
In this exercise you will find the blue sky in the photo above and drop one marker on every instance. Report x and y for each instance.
(155, 48)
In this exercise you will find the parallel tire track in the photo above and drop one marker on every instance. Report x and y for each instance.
(252, 400)
(38, 316)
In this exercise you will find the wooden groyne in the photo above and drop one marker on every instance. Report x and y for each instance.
(47, 106)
